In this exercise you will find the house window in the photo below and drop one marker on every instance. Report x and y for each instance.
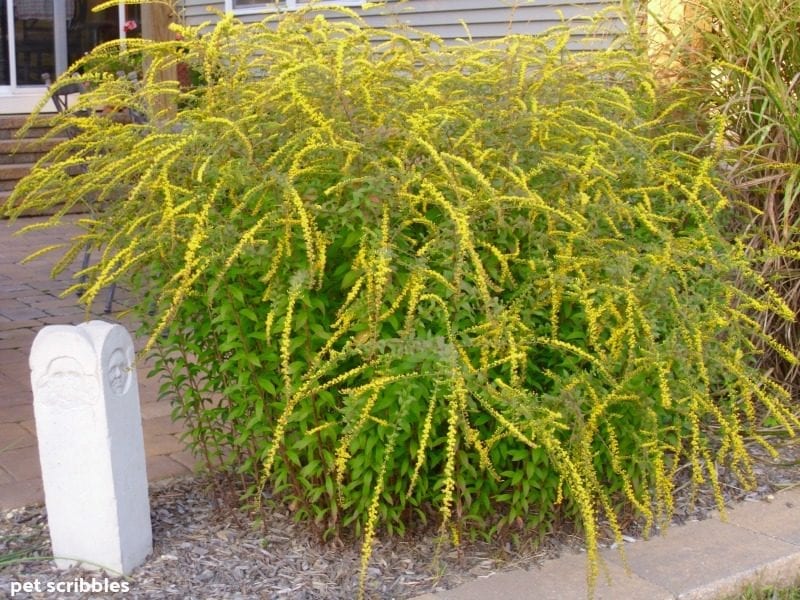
(88, 29)
(45, 36)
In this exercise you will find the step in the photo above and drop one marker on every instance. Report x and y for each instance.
(79, 208)
(14, 172)
(10, 124)
(27, 150)
(10, 174)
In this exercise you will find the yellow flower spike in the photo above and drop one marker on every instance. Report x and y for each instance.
(642, 505)
(377, 282)
(338, 67)
(321, 243)
(464, 236)
(592, 320)
(280, 250)
(348, 301)
(246, 240)
(377, 383)
(695, 443)
(306, 222)
(372, 514)
(479, 177)
(423, 444)
(697, 342)
(169, 314)
(414, 294)
(663, 385)
(444, 308)
(481, 448)
(268, 324)
(425, 248)
(555, 301)
(378, 420)
(789, 421)
(398, 301)
(342, 377)
(585, 506)
(511, 358)
(578, 352)
(385, 222)
(782, 395)
(715, 485)
(342, 456)
(311, 112)
(454, 535)
(286, 338)
(505, 273)
(465, 359)
(630, 324)
(319, 428)
(278, 435)
(438, 277)
(229, 127)
(342, 450)
(448, 474)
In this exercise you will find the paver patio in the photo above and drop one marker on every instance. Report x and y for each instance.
(29, 300)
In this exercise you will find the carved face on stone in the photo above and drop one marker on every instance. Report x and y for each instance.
(118, 371)
(63, 383)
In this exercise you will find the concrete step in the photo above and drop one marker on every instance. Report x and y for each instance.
(10, 174)
(77, 209)
(27, 150)
(19, 155)
(10, 124)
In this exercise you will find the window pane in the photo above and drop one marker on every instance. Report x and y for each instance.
(5, 71)
(87, 29)
(33, 30)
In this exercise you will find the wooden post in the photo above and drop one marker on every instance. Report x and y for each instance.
(663, 26)
(156, 19)
(669, 24)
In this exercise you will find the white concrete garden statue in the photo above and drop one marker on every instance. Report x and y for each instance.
(89, 427)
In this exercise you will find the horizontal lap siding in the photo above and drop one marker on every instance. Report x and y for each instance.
(485, 19)
(199, 11)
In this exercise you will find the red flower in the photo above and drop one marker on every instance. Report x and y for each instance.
(130, 26)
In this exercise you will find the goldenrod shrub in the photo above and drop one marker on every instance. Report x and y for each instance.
(396, 281)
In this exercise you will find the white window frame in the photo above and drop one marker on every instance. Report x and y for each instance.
(59, 41)
(270, 7)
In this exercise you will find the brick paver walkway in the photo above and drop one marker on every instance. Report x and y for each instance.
(29, 300)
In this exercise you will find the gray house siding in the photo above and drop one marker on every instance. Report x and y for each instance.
(448, 19)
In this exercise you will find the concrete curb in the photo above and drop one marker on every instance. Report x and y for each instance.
(779, 572)
(757, 545)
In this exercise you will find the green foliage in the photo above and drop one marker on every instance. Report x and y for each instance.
(741, 59)
(397, 282)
